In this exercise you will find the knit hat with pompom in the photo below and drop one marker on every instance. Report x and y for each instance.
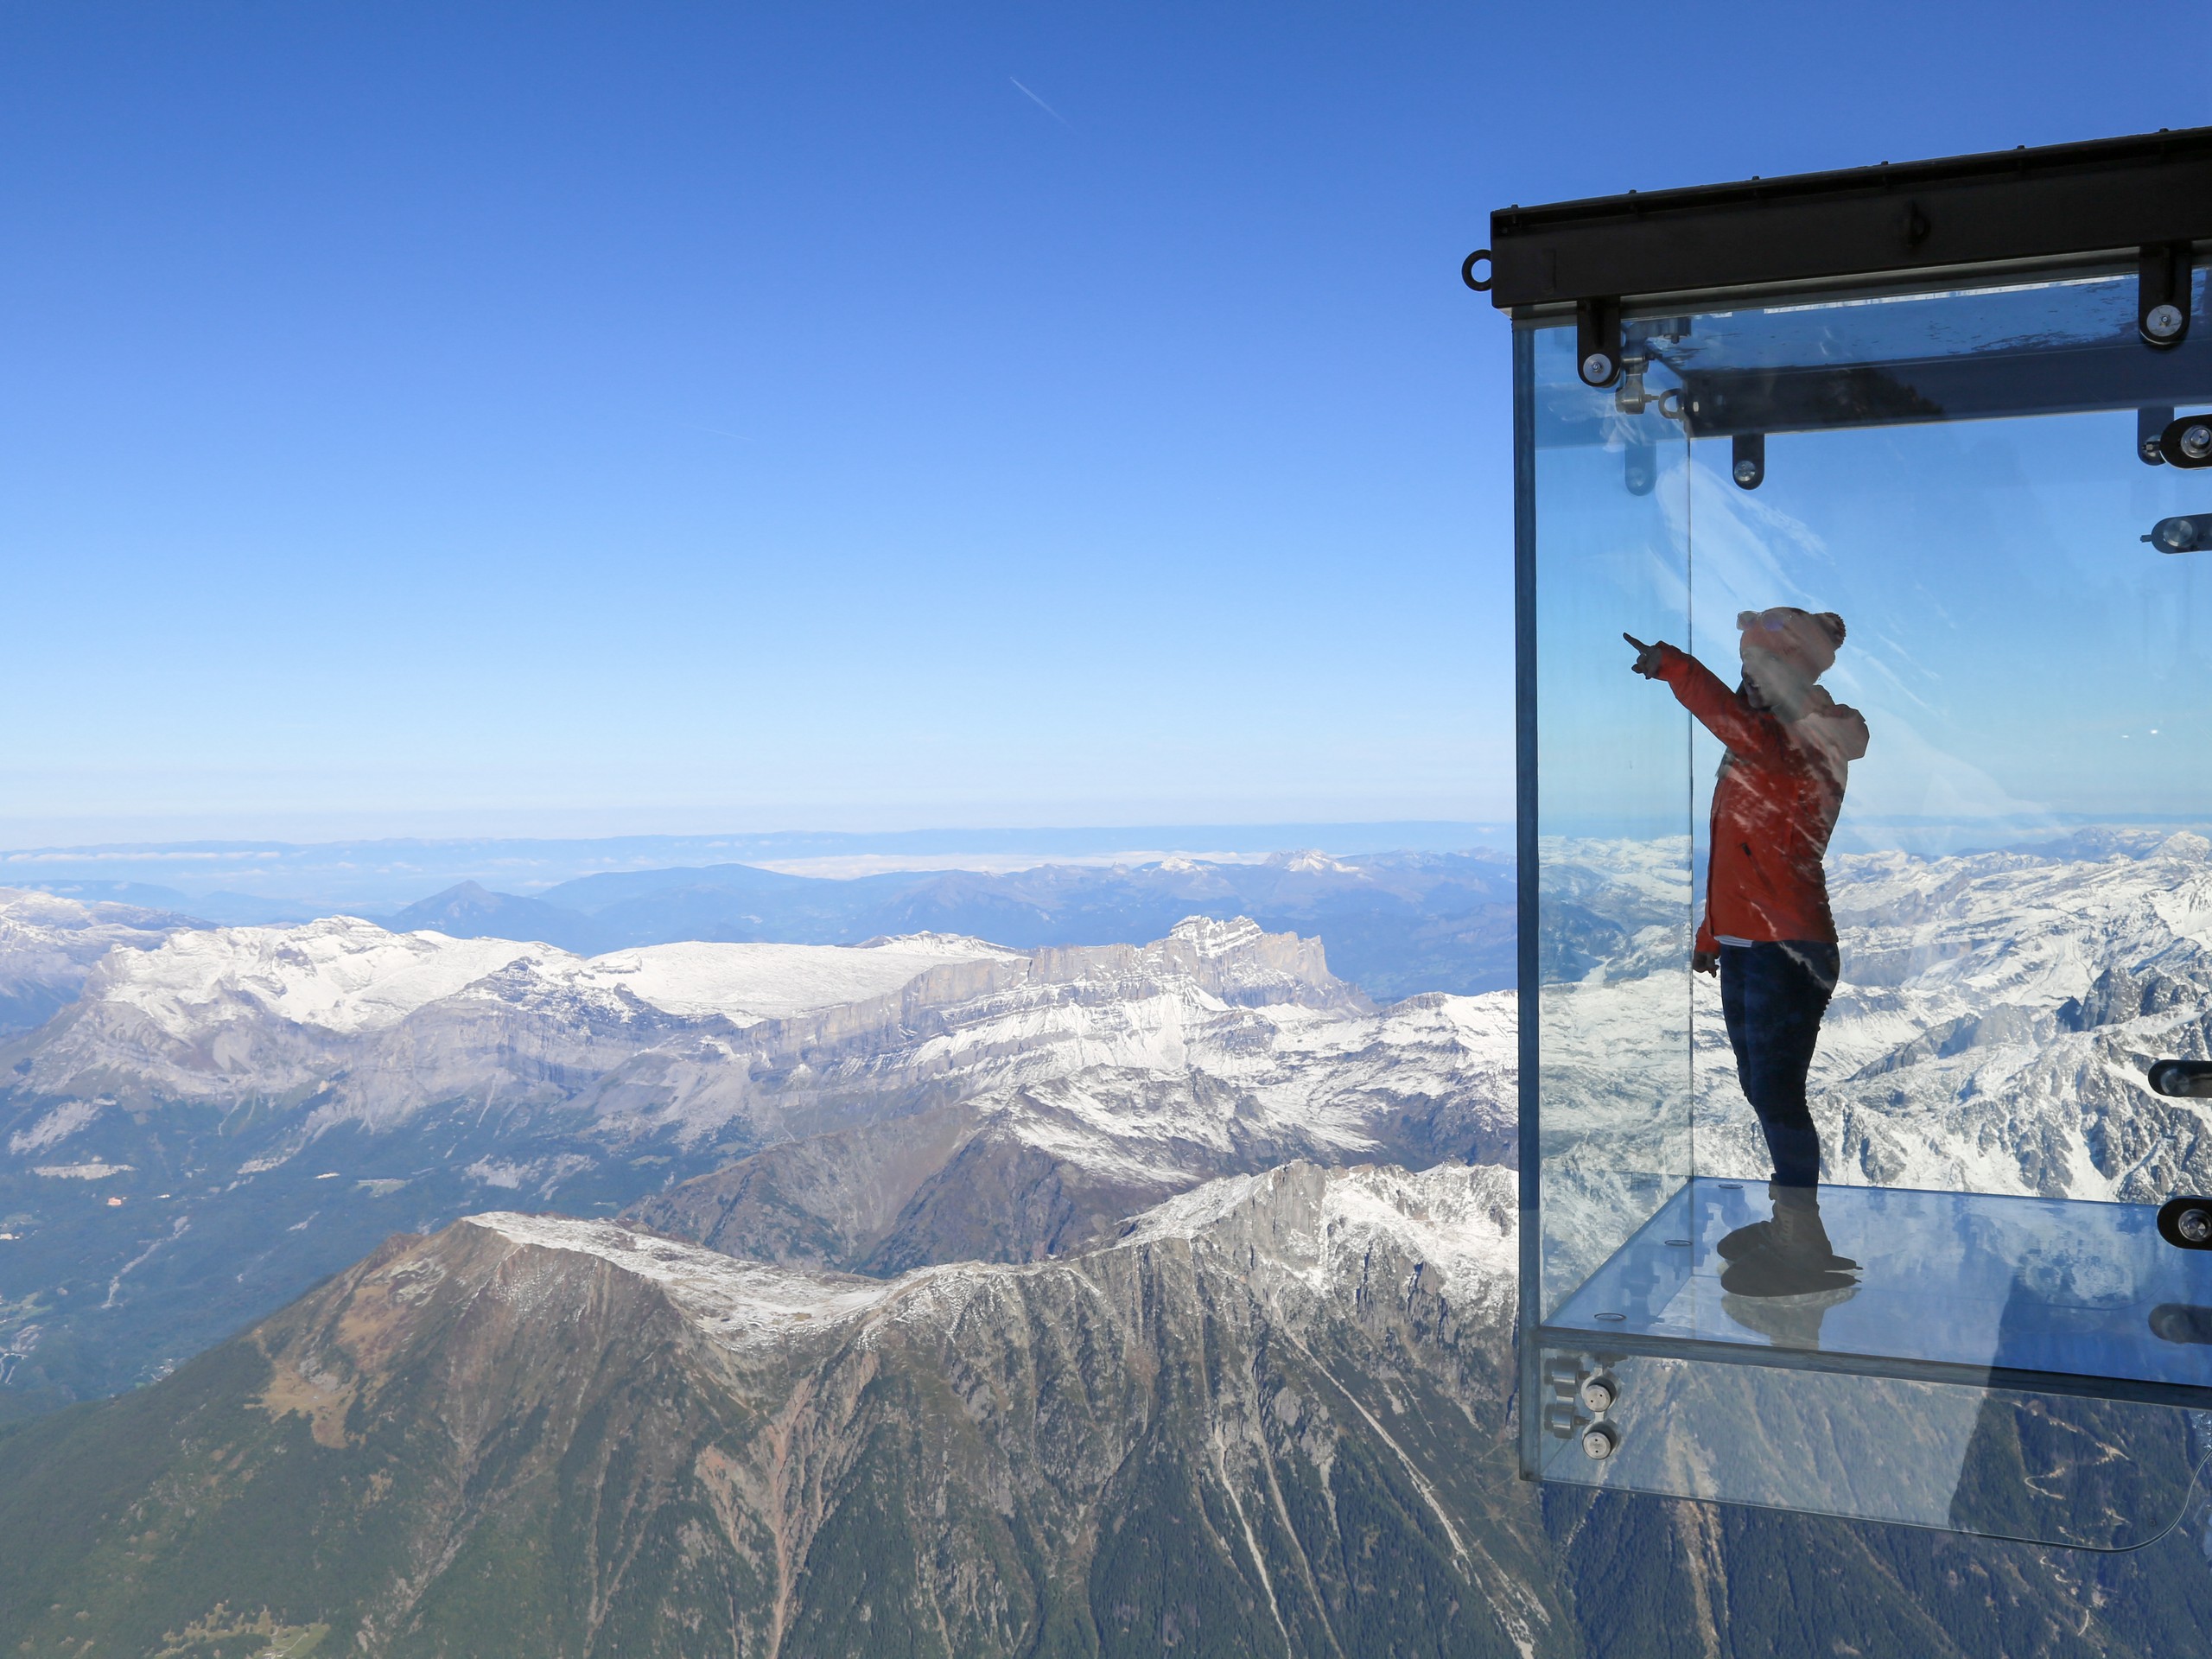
(1806, 640)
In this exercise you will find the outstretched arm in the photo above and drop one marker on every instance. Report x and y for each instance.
(1698, 689)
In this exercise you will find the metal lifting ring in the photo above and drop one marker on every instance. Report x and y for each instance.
(1467, 271)
(1670, 403)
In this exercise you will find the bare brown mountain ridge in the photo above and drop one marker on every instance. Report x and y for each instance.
(538, 1435)
(1273, 1418)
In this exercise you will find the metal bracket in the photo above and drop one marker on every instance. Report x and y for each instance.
(2162, 294)
(1640, 466)
(2184, 534)
(2187, 441)
(2150, 426)
(2186, 1222)
(1747, 462)
(1598, 341)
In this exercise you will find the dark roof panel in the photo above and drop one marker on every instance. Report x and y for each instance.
(2112, 194)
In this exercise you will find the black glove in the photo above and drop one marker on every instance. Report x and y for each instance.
(1647, 657)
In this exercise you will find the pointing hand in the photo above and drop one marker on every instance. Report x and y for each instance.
(1647, 657)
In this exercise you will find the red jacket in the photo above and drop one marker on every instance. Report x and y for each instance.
(1774, 807)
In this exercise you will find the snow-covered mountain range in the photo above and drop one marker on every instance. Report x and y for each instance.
(277, 1098)
(1049, 1256)
(266, 1102)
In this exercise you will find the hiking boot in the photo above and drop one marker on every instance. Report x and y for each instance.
(1760, 1234)
(1790, 1257)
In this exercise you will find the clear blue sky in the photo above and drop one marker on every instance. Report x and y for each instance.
(675, 418)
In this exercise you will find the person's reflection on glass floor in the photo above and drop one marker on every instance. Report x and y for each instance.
(1789, 1321)
(1767, 928)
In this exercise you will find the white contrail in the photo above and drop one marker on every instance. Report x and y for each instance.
(1042, 104)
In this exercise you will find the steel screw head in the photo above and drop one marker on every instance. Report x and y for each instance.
(2195, 1225)
(2162, 322)
(1600, 1441)
(2197, 441)
(2179, 534)
(1597, 368)
(1599, 1394)
(1747, 472)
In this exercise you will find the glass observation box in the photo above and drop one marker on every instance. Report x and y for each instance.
(1864, 549)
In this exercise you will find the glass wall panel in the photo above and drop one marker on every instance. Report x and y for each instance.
(1950, 517)
(2053, 1469)
(1610, 508)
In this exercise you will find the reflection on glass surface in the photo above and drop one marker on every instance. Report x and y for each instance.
(2018, 891)
(1974, 1280)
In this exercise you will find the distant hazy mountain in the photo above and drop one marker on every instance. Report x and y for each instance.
(1394, 924)
(268, 1102)
(469, 912)
(374, 877)
(1274, 1419)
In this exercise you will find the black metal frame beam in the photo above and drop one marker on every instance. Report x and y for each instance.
(1577, 1339)
(2108, 195)
(2064, 380)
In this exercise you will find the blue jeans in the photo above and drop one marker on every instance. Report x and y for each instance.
(1773, 996)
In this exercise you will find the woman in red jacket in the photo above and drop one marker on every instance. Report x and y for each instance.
(1767, 928)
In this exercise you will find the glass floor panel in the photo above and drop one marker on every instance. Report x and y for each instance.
(2060, 1287)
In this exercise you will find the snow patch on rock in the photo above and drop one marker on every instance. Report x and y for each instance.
(56, 1126)
(732, 1300)
(1460, 1222)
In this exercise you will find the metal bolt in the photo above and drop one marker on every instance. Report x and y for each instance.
(2179, 534)
(2195, 1225)
(2151, 453)
(1747, 472)
(1600, 1441)
(1597, 368)
(2197, 441)
(2162, 322)
(1599, 1394)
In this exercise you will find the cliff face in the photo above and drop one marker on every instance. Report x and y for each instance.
(1056, 1162)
